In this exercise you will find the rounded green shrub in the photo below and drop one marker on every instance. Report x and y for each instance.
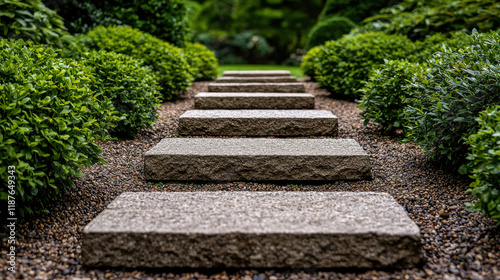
(328, 29)
(460, 84)
(165, 19)
(202, 62)
(133, 89)
(49, 120)
(386, 93)
(309, 62)
(168, 62)
(485, 158)
(347, 62)
(30, 19)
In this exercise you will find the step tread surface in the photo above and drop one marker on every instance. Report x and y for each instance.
(256, 73)
(259, 114)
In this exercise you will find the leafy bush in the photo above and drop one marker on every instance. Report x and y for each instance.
(168, 61)
(49, 119)
(30, 19)
(425, 49)
(355, 10)
(165, 19)
(485, 159)
(328, 29)
(460, 84)
(202, 61)
(347, 62)
(133, 89)
(418, 18)
(309, 62)
(386, 94)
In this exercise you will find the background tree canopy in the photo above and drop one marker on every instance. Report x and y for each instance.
(265, 27)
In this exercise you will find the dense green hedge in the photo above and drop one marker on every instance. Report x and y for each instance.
(309, 62)
(49, 119)
(330, 28)
(202, 62)
(386, 94)
(485, 159)
(460, 84)
(168, 61)
(165, 19)
(133, 89)
(30, 19)
(348, 61)
(419, 18)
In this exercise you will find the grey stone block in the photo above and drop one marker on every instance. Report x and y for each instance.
(276, 79)
(244, 100)
(258, 123)
(257, 73)
(257, 87)
(256, 159)
(253, 229)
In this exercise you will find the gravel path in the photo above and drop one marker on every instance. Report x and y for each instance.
(458, 244)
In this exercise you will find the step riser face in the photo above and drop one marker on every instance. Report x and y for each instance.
(254, 101)
(256, 159)
(278, 79)
(257, 127)
(253, 229)
(257, 87)
(259, 73)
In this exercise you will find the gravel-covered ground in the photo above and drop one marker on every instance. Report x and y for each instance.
(458, 244)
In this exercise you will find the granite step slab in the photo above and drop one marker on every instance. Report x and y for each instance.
(253, 230)
(257, 87)
(258, 123)
(256, 159)
(256, 73)
(245, 100)
(276, 79)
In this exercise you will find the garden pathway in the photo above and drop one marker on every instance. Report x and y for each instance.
(254, 229)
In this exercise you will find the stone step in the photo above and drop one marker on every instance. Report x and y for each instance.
(257, 73)
(253, 230)
(245, 100)
(257, 87)
(258, 123)
(256, 159)
(276, 79)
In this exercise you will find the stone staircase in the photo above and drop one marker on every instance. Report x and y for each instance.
(254, 229)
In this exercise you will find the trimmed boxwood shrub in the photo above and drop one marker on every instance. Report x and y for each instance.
(202, 62)
(49, 119)
(165, 19)
(30, 19)
(309, 62)
(460, 84)
(347, 62)
(386, 94)
(485, 158)
(133, 89)
(168, 62)
(330, 28)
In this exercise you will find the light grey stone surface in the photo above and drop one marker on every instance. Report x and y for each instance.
(257, 87)
(256, 159)
(276, 79)
(258, 123)
(256, 73)
(245, 100)
(253, 229)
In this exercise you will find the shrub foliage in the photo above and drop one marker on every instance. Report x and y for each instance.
(202, 61)
(30, 19)
(347, 62)
(49, 119)
(168, 61)
(460, 84)
(328, 29)
(485, 159)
